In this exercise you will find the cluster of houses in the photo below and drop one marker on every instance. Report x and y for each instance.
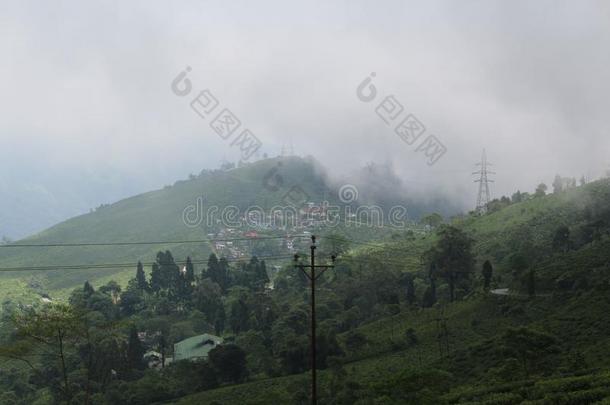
(310, 215)
(289, 222)
(236, 249)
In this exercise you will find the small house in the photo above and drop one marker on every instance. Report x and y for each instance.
(196, 347)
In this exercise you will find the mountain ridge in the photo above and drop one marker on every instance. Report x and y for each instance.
(159, 215)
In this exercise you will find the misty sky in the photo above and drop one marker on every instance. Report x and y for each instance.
(88, 115)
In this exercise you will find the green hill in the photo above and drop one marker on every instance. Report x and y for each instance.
(159, 216)
(155, 216)
(543, 339)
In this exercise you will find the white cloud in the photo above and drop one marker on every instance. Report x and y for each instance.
(86, 85)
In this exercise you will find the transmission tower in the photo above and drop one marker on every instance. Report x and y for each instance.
(483, 197)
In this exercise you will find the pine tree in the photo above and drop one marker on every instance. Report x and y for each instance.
(223, 273)
(212, 270)
(162, 344)
(262, 272)
(257, 273)
(252, 271)
(155, 278)
(186, 279)
(88, 289)
(141, 282)
(135, 350)
(169, 271)
(190, 271)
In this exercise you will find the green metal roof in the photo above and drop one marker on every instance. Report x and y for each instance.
(195, 347)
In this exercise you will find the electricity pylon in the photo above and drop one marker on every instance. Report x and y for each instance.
(484, 196)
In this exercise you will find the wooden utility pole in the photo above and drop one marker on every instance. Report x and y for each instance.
(312, 276)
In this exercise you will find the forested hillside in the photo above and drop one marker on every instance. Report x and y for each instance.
(504, 307)
(305, 203)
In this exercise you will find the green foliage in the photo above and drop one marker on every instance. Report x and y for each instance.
(375, 344)
(529, 347)
(414, 387)
(453, 256)
(206, 297)
(540, 190)
(408, 281)
(54, 341)
(432, 220)
(135, 350)
(561, 239)
(487, 272)
(230, 363)
(141, 282)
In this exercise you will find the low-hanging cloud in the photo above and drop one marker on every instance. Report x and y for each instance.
(86, 87)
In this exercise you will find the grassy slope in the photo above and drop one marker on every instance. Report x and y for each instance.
(537, 218)
(470, 323)
(156, 215)
(577, 320)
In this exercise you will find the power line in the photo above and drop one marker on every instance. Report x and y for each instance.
(121, 265)
(31, 245)
(107, 266)
(131, 264)
(167, 242)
